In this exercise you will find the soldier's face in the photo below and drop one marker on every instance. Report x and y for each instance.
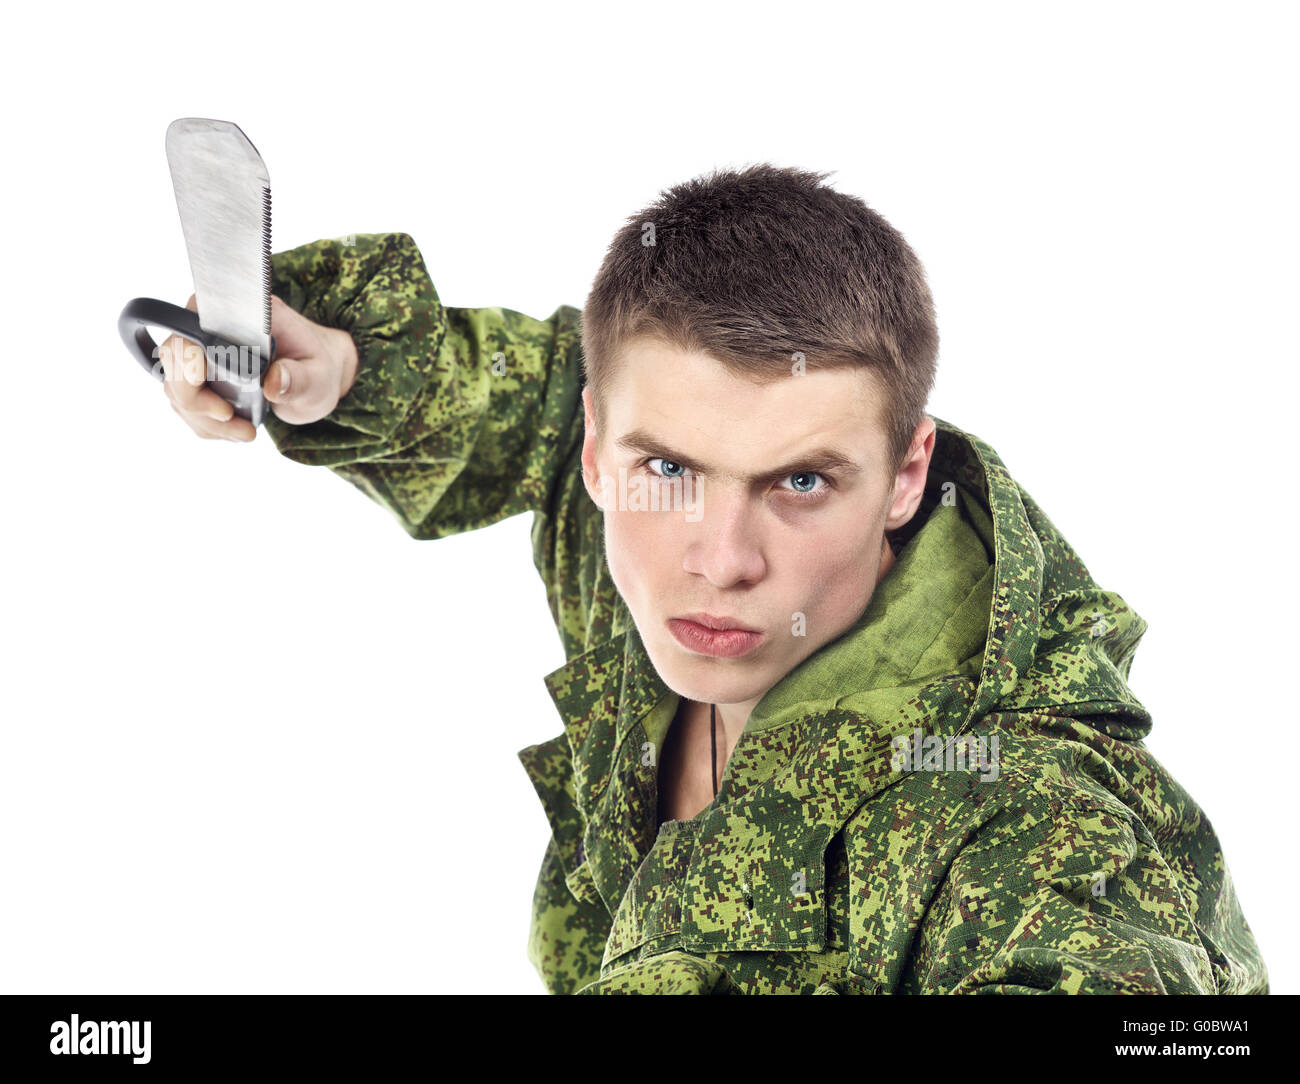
(721, 497)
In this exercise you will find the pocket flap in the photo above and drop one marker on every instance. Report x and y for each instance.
(722, 893)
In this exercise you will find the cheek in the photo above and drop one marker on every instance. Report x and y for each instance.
(840, 573)
(639, 547)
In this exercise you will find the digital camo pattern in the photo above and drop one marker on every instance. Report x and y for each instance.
(825, 865)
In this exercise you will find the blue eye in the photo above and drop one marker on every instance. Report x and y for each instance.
(808, 479)
(667, 474)
(805, 487)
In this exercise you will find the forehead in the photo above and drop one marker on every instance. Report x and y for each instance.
(697, 405)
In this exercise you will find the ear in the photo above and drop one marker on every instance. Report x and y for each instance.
(590, 440)
(909, 485)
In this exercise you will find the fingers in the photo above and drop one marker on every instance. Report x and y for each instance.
(237, 429)
(183, 359)
(184, 371)
(202, 409)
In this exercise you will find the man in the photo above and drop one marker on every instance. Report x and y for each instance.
(843, 712)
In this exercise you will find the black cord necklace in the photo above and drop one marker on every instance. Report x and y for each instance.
(713, 741)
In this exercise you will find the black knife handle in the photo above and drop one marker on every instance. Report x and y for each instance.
(233, 371)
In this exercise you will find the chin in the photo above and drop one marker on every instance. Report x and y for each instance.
(703, 679)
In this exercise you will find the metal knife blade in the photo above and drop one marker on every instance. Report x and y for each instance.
(223, 194)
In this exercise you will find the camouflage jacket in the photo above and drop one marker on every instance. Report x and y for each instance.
(952, 797)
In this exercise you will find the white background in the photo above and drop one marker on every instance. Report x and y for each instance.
(256, 739)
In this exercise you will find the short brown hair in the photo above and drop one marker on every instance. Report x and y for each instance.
(756, 266)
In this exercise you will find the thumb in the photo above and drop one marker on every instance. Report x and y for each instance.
(295, 391)
(285, 381)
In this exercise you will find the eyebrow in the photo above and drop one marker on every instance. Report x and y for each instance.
(819, 460)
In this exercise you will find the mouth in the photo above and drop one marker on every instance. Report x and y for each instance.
(706, 634)
(718, 624)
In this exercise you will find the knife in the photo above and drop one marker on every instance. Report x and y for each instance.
(223, 193)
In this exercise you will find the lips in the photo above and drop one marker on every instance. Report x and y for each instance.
(719, 624)
(729, 641)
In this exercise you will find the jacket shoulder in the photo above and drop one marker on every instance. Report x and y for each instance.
(1053, 846)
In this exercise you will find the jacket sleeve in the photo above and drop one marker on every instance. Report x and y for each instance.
(1076, 900)
(458, 417)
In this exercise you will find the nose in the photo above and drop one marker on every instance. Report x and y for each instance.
(725, 545)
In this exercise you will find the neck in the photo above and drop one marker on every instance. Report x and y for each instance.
(731, 722)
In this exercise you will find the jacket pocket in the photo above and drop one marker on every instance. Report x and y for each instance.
(721, 893)
(758, 898)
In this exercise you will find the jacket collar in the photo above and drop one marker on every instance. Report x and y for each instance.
(948, 634)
